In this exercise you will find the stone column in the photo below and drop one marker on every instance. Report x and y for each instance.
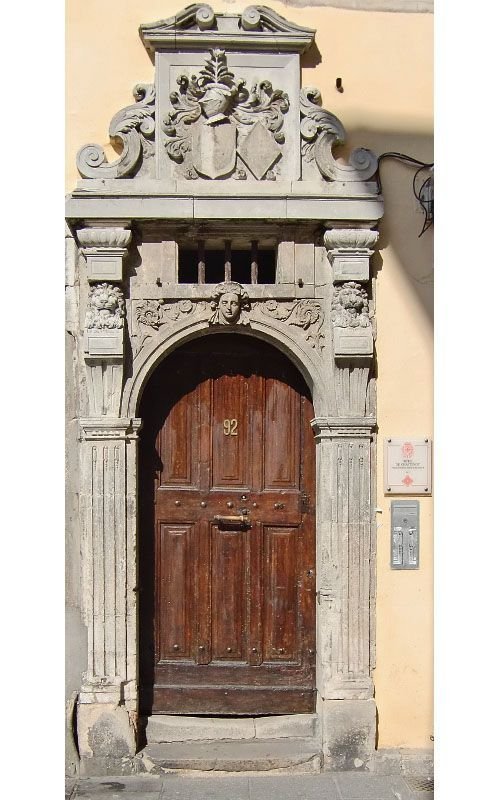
(346, 473)
(107, 703)
(346, 553)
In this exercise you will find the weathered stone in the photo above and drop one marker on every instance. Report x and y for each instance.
(206, 787)
(235, 756)
(372, 787)
(349, 728)
(298, 787)
(293, 725)
(134, 785)
(418, 762)
(169, 728)
(386, 762)
(104, 730)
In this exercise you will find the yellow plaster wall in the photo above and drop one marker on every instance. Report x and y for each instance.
(385, 62)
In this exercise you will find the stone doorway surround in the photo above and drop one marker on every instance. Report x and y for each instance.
(277, 180)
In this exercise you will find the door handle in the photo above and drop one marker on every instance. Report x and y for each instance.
(233, 521)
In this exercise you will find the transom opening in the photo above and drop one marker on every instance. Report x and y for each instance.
(250, 264)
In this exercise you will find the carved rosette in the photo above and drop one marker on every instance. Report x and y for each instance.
(321, 132)
(220, 128)
(134, 128)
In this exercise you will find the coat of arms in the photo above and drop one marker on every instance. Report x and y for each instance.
(217, 121)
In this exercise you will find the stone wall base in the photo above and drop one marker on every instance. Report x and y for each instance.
(349, 728)
(404, 761)
(106, 740)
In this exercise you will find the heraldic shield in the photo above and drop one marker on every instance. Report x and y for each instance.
(214, 149)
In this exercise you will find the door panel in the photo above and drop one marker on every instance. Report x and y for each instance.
(227, 539)
(281, 424)
(175, 592)
(228, 595)
(280, 578)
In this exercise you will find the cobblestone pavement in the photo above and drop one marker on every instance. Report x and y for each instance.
(326, 786)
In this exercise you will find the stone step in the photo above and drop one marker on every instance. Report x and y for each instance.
(301, 755)
(170, 728)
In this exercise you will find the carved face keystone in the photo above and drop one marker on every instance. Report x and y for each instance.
(229, 307)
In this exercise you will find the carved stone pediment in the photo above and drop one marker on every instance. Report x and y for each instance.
(257, 27)
(225, 105)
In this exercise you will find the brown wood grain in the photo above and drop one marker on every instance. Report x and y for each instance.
(227, 612)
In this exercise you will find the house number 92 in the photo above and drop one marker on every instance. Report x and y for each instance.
(230, 427)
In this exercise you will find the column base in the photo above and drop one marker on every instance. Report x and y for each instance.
(349, 728)
(107, 739)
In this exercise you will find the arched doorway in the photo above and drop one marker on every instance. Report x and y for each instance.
(227, 532)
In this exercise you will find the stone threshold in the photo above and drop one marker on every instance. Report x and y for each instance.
(234, 756)
(165, 728)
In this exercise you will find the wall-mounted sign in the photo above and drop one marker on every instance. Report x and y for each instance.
(405, 534)
(407, 466)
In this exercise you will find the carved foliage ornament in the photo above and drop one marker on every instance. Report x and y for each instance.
(350, 306)
(212, 111)
(134, 128)
(151, 315)
(106, 307)
(229, 306)
(322, 131)
(305, 314)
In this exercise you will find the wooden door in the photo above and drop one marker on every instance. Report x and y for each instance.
(227, 533)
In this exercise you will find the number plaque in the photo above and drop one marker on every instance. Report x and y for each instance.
(230, 427)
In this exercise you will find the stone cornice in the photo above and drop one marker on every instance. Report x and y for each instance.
(284, 206)
(109, 428)
(256, 28)
(343, 427)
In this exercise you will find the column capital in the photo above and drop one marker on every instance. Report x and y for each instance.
(343, 427)
(109, 428)
(104, 245)
(349, 251)
(350, 240)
